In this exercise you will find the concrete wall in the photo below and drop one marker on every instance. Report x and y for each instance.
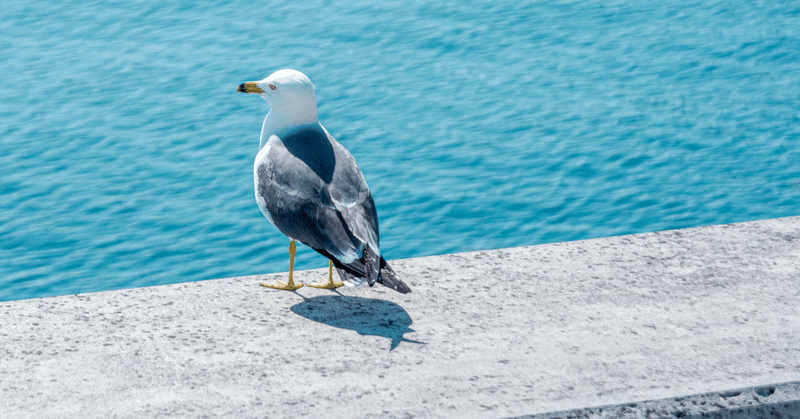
(643, 324)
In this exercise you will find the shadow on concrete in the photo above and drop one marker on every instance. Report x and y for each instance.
(789, 409)
(762, 402)
(367, 316)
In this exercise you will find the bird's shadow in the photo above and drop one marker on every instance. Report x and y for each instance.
(367, 316)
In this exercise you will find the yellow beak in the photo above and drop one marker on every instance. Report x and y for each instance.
(249, 87)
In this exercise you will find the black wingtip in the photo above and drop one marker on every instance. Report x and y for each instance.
(402, 288)
(393, 282)
(389, 279)
(396, 285)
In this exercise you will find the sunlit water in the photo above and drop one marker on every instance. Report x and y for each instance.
(127, 154)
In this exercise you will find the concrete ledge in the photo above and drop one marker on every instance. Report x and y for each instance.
(763, 402)
(563, 327)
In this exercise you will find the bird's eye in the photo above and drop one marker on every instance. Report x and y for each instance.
(272, 86)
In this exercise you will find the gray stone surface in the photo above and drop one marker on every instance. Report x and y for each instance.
(762, 402)
(489, 334)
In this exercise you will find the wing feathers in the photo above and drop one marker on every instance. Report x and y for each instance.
(310, 187)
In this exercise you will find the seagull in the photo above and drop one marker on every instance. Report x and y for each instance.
(312, 190)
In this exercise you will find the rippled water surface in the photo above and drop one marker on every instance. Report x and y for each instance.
(127, 154)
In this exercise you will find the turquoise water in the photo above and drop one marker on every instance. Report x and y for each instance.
(127, 154)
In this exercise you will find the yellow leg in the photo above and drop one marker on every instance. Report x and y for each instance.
(290, 285)
(330, 284)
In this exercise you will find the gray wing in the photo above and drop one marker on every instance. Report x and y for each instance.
(313, 191)
(350, 193)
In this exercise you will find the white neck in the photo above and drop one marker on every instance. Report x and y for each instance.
(278, 123)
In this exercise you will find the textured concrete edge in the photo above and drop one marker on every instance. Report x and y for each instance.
(768, 401)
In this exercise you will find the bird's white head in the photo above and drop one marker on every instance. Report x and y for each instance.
(289, 93)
